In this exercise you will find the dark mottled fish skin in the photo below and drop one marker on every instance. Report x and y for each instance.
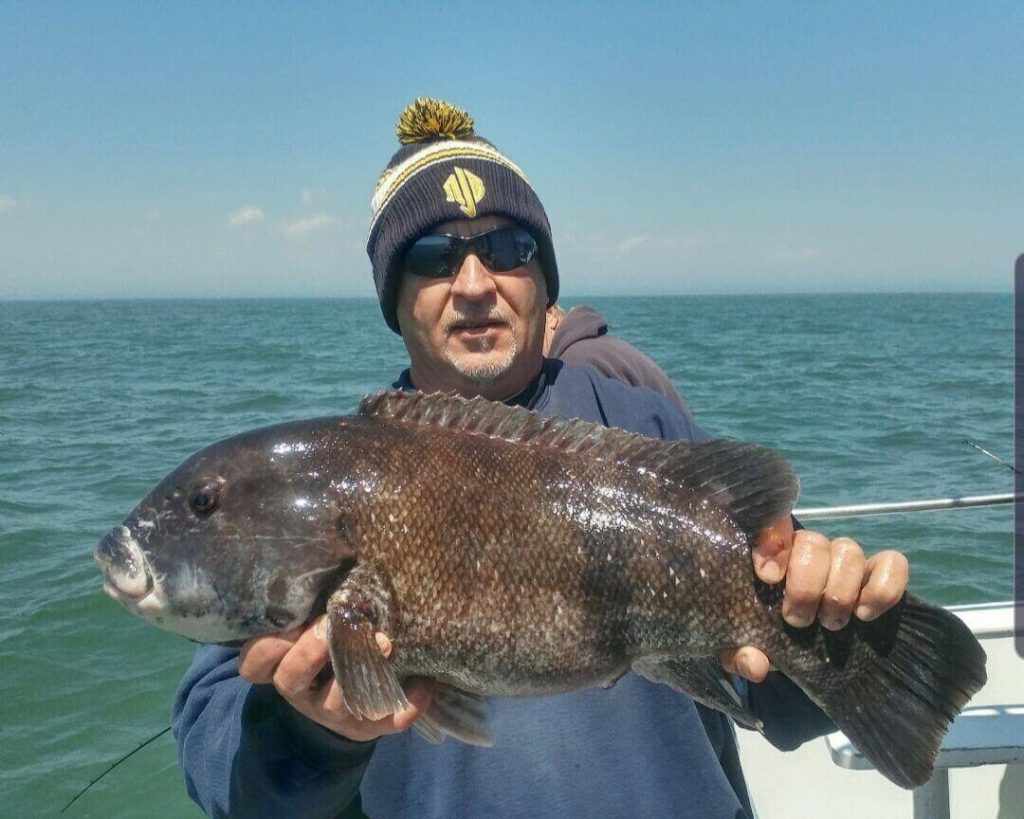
(555, 584)
(505, 554)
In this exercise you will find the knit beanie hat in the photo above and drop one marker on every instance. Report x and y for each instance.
(444, 171)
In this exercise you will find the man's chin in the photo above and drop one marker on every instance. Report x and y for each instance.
(481, 369)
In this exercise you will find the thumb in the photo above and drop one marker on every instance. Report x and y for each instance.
(748, 662)
(419, 692)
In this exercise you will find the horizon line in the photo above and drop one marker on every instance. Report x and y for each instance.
(565, 297)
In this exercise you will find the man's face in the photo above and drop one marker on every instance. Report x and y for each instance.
(478, 332)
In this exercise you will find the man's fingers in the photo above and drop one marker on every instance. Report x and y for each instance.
(329, 700)
(328, 708)
(887, 576)
(845, 578)
(747, 662)
(771, 552)
(806, 576)
(260, 657)
(297, 670)
(292, 662)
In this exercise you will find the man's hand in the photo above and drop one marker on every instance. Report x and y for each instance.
(291, 661)
(827, 580)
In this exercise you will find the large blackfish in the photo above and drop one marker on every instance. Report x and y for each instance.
(502, 553)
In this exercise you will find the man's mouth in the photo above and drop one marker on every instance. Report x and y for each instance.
(475, 327)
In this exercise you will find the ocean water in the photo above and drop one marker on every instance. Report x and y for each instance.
(871, 397)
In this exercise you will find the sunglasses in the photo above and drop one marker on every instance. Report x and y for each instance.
(438, 256)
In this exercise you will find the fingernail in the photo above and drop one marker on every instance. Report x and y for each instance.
(865, 612)
(771, 572)
(797, 617)
(301, 686)
(320, 629)
(834, 623)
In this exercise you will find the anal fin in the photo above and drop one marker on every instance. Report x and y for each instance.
(428, 729)
(703, 679)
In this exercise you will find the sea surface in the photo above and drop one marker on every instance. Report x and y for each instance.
(870, 396)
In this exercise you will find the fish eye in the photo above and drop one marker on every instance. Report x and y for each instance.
(204, 498)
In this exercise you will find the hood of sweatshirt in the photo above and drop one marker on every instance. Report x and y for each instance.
(579, 323)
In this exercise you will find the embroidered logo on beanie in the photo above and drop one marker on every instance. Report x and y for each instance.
(466, 189)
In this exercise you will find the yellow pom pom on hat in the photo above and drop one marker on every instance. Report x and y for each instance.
(427, 119)
(444, 171)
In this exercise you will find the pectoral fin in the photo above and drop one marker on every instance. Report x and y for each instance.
(355, 613)
(703, 679)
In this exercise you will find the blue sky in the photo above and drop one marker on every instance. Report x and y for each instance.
(219, 149)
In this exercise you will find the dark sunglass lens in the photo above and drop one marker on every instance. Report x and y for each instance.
(506, 248)
(431, 257)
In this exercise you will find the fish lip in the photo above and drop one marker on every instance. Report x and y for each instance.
(124, 598)
(127, 575)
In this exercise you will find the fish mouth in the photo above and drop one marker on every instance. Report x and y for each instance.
(127, 577)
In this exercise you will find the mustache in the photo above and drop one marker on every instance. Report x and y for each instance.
(460, 319)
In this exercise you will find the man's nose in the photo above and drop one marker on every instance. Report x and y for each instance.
(474, 280)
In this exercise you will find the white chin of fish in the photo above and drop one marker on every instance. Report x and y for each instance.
(205, 628)
(129, 579)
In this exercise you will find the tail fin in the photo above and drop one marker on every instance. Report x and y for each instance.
(893, 685)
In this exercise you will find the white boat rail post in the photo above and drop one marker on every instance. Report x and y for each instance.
(931, 800)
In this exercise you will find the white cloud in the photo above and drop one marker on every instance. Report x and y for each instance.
(633, 241)
(7, 203)
(246, 216)
(307, 224)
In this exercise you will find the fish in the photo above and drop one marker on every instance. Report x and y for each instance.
(500, 553)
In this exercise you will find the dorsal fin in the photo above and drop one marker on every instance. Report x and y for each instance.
(756, 485)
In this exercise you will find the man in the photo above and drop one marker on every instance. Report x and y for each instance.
(581, 337)
(465, 269)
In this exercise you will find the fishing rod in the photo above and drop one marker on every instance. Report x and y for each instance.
(995, 458)
(114, 765)
(939, 504)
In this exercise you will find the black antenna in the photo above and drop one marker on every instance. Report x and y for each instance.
(995, 458)
(114, 765)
